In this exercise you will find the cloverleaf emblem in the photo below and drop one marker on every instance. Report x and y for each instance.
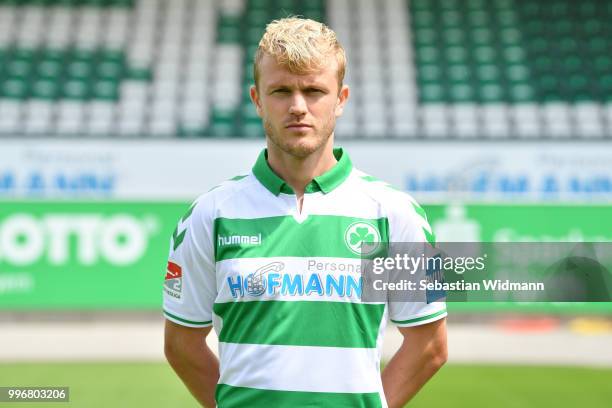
(361, 235)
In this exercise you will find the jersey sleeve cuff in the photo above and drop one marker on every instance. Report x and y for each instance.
(186, 322)
(417, 321)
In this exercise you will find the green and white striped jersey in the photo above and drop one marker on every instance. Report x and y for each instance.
(282, 288)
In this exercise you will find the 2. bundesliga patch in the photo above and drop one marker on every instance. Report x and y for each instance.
(173, 283)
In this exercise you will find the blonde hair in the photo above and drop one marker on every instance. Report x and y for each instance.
(301, 45)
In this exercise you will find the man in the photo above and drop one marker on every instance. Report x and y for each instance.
(271, 259)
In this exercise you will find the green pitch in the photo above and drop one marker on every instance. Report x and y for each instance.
(151, 385)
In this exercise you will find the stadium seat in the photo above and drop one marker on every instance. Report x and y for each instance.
(495, 120)
(514, 52)
(10, 115)
(434, 120)
(557, 120)
(588, 119)
(182, 68)
(527, 120)
(465, 119)
(37, 117)
(101, 118)
(70, 118)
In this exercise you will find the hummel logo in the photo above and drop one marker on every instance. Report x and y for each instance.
(238, 240)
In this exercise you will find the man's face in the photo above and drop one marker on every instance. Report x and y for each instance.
(298, 111)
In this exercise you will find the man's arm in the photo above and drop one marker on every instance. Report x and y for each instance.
(191, 358)
(420, 356)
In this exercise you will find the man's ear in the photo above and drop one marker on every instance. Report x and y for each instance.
(256, 100)
(343, 96)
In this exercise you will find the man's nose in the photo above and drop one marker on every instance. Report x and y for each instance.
(298, 104)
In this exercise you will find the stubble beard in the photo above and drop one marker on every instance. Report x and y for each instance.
(300, 149)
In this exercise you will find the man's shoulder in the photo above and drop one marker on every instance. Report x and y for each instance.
(222, 192)
(230, 186)
(384, 192)
(395, 202)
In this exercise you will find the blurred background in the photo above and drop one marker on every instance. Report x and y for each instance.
(115, 115)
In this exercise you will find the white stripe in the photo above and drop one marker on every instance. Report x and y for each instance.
(300, 368)
(402, 311)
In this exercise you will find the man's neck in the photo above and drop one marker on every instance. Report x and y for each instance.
(298, 172)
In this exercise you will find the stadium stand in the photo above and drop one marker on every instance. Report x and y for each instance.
(419, 69)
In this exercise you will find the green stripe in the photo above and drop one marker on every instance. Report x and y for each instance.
(372, 179)
(419, 210)
(300, 323)
(318, 235)
(180, 319)
(188, 213)
(430, 236)
(419, 319)
(228, 396)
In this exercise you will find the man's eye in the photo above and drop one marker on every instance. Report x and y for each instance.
(281, 91)
(314, 90)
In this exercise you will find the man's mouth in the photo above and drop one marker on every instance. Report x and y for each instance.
(298, 126)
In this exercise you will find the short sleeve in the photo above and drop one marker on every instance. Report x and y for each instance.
(190, 284)
(408, 223)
